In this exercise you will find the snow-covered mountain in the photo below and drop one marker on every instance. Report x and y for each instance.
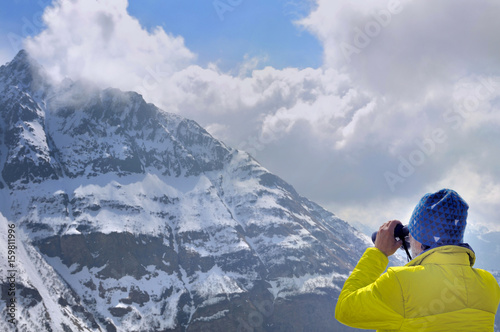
(129, 218)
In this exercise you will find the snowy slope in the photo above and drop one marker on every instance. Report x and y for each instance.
(37, 288)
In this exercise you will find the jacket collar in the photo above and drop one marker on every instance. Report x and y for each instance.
(452, 254)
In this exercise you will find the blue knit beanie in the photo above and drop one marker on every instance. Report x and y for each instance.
(439, 219)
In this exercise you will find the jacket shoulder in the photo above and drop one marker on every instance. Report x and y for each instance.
(489, 280)
(401, 271)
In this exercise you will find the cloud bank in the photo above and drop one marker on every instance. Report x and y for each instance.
(406, 102)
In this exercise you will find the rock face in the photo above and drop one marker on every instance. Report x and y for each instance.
(129, 218)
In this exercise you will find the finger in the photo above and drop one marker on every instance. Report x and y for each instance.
(393, 223)
(385, 225)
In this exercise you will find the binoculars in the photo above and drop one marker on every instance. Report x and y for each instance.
(400, 233)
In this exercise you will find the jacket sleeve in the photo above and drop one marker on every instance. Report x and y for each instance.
(368, 299)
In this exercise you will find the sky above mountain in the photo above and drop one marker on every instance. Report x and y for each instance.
(363, 106)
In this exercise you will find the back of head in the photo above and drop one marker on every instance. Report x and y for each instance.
(439, 219)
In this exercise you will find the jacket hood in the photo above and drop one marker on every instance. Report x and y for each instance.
(451, 254)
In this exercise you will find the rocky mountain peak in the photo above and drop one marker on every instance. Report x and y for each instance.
(21, 62)
(24, 71)
(73, 129)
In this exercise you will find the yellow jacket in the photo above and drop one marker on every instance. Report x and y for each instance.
(437, 291)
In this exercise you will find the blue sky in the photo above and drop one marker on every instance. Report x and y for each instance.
(364, 106)
(256, 28)
(215, 30)
(18, 19)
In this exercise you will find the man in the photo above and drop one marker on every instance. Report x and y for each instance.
(438, 290)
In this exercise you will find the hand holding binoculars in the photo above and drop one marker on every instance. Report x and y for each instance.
(400, 233)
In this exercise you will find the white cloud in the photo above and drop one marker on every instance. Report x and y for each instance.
(406, 47)
(101, 42)
(375, 212)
